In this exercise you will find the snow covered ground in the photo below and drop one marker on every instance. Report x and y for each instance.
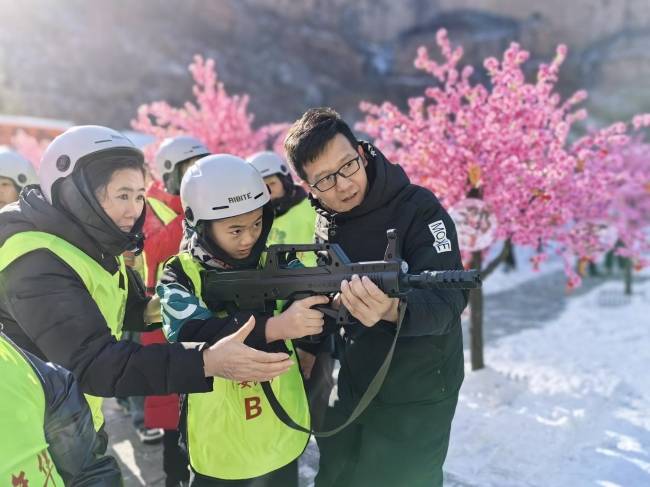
(564, 404)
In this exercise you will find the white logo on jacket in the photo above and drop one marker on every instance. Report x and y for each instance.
(439, 231)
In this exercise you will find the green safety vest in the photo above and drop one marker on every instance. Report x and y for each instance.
(296, 226)
(24, 459)
(109, 291)
(232, 432)
(166, 215)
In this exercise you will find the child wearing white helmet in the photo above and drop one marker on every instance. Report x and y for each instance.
(16, 172)
(294, 215)
(232, 433)
(163, 225)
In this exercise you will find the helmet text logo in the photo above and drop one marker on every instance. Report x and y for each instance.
(239, 198)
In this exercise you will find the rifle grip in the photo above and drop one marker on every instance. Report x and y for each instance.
(331, 313)
(344, 317)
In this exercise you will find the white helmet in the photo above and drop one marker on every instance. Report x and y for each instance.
(269, 163)
(65, 151)
(173, 151)
(17, 168)
(221, 186)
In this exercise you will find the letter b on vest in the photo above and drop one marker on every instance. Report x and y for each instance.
(252, 407)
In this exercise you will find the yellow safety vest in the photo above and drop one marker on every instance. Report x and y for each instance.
(24, 459)
(109, 291)
(166, 215)
(232, 432)
(161, 210)
(296, 226)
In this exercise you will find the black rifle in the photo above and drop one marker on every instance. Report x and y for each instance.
(258, 290)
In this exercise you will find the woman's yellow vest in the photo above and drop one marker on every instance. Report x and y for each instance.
(24, 459)
(232, 432)
(109, 291)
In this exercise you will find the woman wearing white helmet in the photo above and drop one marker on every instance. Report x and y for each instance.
(16, 172)
(232, 432)
(65, 293)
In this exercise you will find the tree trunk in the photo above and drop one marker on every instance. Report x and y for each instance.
(476, 319)
(628, 276)
(509, 260)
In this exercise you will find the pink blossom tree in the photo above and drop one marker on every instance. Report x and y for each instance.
(508, 146)
(220, 120)
(629, 211)
(29, 147)
(631, 205)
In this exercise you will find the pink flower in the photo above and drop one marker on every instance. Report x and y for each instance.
(220, 120)
(29, 147)
(542, 188)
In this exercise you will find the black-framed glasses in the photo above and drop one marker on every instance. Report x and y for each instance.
(346, 170)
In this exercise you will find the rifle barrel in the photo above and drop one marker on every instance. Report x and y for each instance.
(454, 279)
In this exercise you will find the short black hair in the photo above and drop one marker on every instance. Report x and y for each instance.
(310, 134)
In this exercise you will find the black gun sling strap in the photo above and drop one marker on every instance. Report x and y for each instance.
(365, 400)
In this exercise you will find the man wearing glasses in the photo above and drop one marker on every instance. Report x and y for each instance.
(401, 438)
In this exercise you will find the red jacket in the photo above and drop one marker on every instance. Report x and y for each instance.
(161, 242)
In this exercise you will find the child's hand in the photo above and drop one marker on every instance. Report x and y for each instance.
(297, 321)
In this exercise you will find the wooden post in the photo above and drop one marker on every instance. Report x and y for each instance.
(476, 319)
(628, 276)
